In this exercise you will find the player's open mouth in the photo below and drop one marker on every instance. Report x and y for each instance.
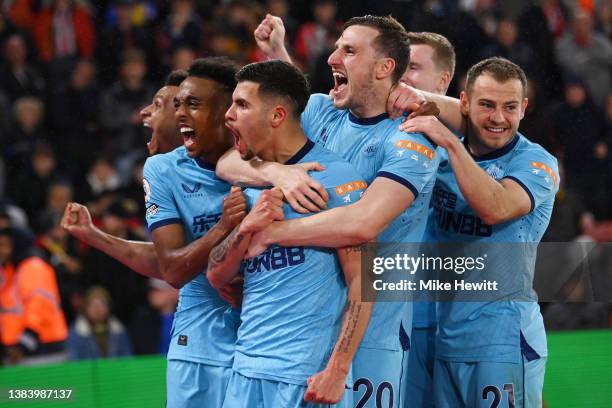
(188, 136)
(236, 136)
(152, 144)
(340, 84)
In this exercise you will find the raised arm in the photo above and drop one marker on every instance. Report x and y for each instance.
(327, 386)
(179, 263)
(494, 201)
(354, 224)
(270, 38)
(138, 256)
(303, 193)
(225, 258)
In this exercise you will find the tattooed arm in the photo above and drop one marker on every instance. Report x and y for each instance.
(327, 386)
(225, 259)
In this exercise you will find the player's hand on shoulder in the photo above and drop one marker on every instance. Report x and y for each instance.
(234, 209)
(326, 387)
(77, 220)
(270, 35)
(303, 193)
(404, 98)
(267, 209)
(431, 127)
(426, 108)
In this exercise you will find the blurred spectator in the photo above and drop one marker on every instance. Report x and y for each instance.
(5, 118)
(282, 9)
(121, 104)
(535, 123)
(460, 27)
(507, 44)
(569, 205)
(128, 288)
(60, 193)
(319, 71)
(133, 188)
(152, 323)
(11, 215)
(17, 76)
(74, 115)
(588, 54)
(182, 57)
(33, 325)
(312, 37)
(64, 29)
(23, 12)
(122, 37)
(30, 185)
(101, 179)
(577, 129)
(182, 28)
(232, 33)
(7, 27)
(539, 26)
(96, 333)
(27, 132)
(223, 41)
(604, 14)
(60, 250)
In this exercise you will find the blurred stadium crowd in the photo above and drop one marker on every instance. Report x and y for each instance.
(74, 75)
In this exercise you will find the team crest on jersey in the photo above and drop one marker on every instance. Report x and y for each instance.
(370, 149)
(495, 172)
(147, 189)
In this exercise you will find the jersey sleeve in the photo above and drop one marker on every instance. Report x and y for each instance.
(317, 104)
(537, 173)
(159, 200)
(409, 159)
(344, 185)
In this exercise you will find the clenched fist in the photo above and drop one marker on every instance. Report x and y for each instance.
(269, 208)
(234, 209)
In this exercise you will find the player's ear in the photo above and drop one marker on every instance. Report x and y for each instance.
(278, 115)
(385, 68)
(444, 81)
(464, 103)
(524, 106)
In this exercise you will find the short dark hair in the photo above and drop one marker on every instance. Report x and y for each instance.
(219, 69)
(392, 40)
(444, 52)
(501, 69)
(175, 77)
(278, 78)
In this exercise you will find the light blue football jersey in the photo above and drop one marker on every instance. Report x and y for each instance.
(186, 191)
(294, 296)
(493, 330)
(377, 148)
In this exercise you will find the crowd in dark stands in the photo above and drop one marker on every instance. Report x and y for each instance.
(74, 75)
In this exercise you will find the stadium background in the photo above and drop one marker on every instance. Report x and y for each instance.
(70, 130)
